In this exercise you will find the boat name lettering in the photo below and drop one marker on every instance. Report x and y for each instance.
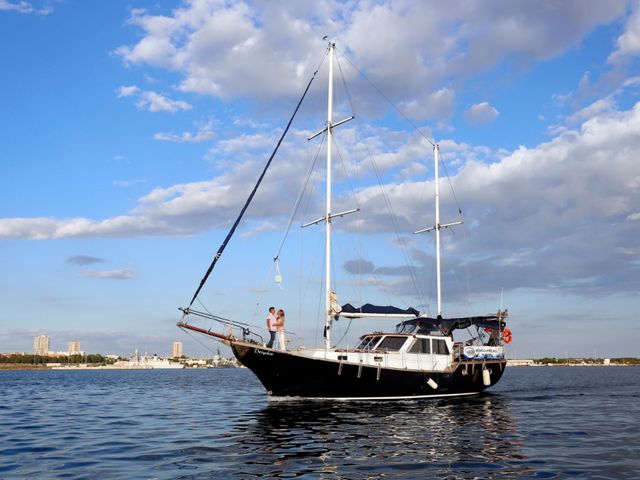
(262, 352)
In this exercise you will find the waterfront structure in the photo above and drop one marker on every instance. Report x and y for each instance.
(176, 350)
(74, 347)
(41, 345)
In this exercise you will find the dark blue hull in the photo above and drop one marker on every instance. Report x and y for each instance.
(290, 375)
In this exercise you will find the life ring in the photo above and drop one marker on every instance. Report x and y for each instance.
(507, 335)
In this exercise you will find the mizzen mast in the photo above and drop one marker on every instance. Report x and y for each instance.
(437, 227)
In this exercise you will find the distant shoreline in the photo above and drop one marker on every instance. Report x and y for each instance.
(22, 366)
(14, 366)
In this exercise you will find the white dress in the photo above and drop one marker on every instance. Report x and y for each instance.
(280, 337)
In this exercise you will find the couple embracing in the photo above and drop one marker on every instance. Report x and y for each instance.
(275, 325)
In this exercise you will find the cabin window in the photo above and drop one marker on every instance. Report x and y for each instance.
(421, 345)
(392, 343)
(373, 342)
(440, 347)
(368, 343)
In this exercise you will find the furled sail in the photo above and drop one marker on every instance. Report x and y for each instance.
(368, 309)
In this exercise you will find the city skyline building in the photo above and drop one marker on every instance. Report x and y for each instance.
(74, 347)
(176, 351)
(41, 345)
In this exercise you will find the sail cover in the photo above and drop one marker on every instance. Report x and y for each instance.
(369, 309)
(445, 326)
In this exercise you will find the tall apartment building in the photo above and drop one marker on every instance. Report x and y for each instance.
(74, 347)
(41, 345)
(177, 350)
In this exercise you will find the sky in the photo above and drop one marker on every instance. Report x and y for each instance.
(131, 133)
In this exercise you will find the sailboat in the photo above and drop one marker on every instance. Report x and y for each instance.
(417, 359)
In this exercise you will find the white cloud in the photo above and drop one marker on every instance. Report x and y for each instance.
(127, 91)
(155, 102)
(25, 7)
(599, 107)
(540, 215)
(438, 105)
(557, 214)
(122, 274)
(152, 101)
(628, 44)
(481, 113)
(202, 135)
(244, 142)
(418, 53)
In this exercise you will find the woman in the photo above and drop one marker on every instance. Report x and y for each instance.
(280, 329)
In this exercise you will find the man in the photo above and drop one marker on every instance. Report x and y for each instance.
(271, 326)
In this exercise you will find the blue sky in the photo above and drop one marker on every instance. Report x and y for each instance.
(133, 132)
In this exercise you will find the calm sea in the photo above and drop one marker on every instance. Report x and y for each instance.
(546, 422)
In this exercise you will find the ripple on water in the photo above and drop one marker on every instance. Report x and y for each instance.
(537, 423)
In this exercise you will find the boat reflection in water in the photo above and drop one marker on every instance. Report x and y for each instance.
(473, 437)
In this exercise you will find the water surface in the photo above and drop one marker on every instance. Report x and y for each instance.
(538, 422)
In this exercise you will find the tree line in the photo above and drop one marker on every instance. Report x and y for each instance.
(22, 358)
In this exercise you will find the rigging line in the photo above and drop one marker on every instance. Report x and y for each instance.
(412, 273)
(196, 339)
(348, 177)
(225, 321)
(446, 173)
(396, 227)
(405, 254)
(346, 174)
(315, 173)
(466, 268)
(206, 310)
(262, 290)
(301, 193)
(319, 309)
(246, 205)
(345, 332)
(415, 127)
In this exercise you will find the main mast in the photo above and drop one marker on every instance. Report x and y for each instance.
(326, 219)
(436, 159)
(327, 260)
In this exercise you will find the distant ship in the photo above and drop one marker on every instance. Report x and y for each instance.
(143, 362)
(417, 359)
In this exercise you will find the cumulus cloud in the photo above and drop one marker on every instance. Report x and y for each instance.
(152, 101)
(82, 260)
(25, 7)
(628, 43)
(560, 215)
(123, 274)
(418, 52)
(127, 91)
(539, 216)
(481, 113)
(202, 135)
